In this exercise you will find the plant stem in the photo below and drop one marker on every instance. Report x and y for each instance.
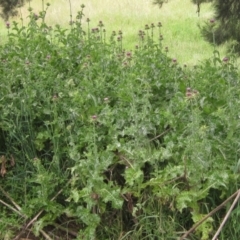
(227, 215)
(12, 201)
(37, 215)
(70, 9)
(66, 229)
(160, 135)
(12, 208)
(47, 237)
(43, 5)
(208, 215)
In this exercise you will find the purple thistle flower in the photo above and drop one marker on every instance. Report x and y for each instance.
(129, 54)
(7, 25)
(225, 59)
(212, 20)
(119, 38)
(35, 16)
(146, 27)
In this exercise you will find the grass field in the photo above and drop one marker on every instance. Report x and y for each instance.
(178, 17)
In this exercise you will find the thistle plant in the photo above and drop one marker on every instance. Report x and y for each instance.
(99, 141)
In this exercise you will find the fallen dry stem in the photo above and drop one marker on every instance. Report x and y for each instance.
(160, 135)
(36, 216)
(209, 215)
(73, 233)
(47, 237)
(227, 215)
(12, 208)
(12, 201)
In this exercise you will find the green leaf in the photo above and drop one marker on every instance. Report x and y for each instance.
(75, 195)
(206, 227)
(188, 199)
(133, 176)
(113, 196)
(88, 218)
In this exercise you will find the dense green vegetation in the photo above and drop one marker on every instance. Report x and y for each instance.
(99, 143)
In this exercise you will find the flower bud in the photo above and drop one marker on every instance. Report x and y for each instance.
(225, 59)
(7, 25)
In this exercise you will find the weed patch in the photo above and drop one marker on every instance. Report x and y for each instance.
(101, 143)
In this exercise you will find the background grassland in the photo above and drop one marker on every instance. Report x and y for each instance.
(178, 17)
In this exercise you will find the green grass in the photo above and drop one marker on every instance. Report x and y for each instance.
(179, 19)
